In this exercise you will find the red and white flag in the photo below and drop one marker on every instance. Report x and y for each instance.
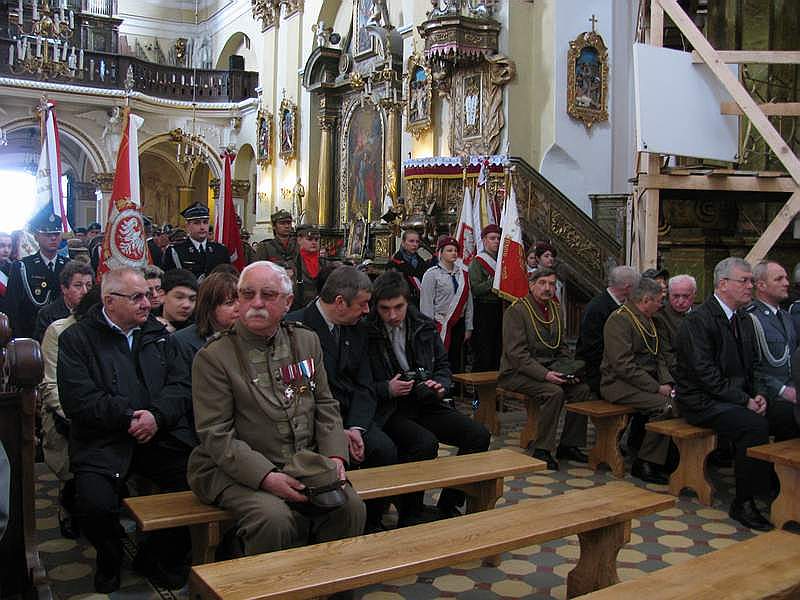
(3, 283)
(125, 242)
(465, 234)
(226, 229)
(48, 175)
(511, 276)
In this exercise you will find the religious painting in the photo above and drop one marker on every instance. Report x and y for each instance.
(362, 152)
(363, 43)
(472, 106)
(419, 96)
(587, 79)
(287, 127)
(264, 137)
(357, 240)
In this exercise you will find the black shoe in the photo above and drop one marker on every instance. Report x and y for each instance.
(552, 463)
(647, 471)
(747, 513)
(427, 514)
(68, 526)
(171, 577)
(572, 453)
(105, 583)
(448, 512)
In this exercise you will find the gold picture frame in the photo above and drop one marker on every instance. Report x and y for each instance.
(364, 44)
(587, 79)
(264, 139)
(419, 96)
(287, 128)
(357, 238)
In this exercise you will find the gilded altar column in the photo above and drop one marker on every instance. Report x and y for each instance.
(104, 181)
(327, 123)
(392, 145)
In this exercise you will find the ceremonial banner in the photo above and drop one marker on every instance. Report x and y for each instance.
(125, 244)
(511, 277)
(48, 175)
(465, 234)
(226, 230)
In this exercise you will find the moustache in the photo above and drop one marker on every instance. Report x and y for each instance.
(257, 312)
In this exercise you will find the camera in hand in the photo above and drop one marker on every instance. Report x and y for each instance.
(569, 378)
(419, 376)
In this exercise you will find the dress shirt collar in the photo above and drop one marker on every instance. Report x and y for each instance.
(728, 310)
(321, 310)
(128, 335)
(614, 298)
(48, 261)
(774, 309)
(198, 245)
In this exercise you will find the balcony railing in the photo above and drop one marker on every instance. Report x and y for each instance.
(104, 70)
(102, 8)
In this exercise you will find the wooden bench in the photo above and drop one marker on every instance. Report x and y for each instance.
(600, 516)
(479, 476)
(766, 566)
(786, 458)
(484, 382)
(531, 429)
(694, 445)
(609, 422)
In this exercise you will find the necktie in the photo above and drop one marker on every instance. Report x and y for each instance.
(734, 323)
(51, 267)
(398, 346)
(455, 282)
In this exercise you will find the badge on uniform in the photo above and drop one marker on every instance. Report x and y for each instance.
(292, 373)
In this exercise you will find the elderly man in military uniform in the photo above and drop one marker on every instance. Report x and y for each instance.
(261, 401)
(634, 372)
(33, 281)
(282, 249)
(537, 362)
(681, 291)
(197, 253)
(775, 332)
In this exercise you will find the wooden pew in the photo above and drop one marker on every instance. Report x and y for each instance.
(22, 573)
(480, 476)
(694, 445)
(600, 516)
(609, 422)
(766, 566)
(786, 458)
(531, 428)
(485, 382)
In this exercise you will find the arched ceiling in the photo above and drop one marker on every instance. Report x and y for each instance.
(24, 147)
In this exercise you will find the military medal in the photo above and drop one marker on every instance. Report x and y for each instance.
(307, 368)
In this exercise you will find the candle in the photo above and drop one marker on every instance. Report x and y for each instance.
(80, 60)
(24, 52)
(64, 52)
(19, 10)
(71, 20)
(62, 14)
(19, 48)
(11, 55)
(55, 52)
(56, 20)
(38, 47)
(35, 10)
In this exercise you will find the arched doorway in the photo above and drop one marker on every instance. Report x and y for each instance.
(244, 169)
(239, 44)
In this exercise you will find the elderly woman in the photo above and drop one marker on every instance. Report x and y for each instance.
(216, 310)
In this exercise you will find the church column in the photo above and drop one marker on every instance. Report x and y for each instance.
(185, 196)
(104, 181)
(393, 134)
(327, 123)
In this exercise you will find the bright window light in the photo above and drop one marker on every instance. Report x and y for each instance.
(18, 199)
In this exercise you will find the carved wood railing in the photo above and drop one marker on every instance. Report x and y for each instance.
(105, 70)
(22, 573)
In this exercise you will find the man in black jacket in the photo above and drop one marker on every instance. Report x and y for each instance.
(715, 385)
(408, 261)
(412, 376)
(76, 279)
(336, 317)
(111, 370)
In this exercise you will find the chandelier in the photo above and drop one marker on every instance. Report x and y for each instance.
(42, 45)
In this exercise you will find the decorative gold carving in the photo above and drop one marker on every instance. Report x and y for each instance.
(287, 126)
(240, 188)
(105, 181)
(291, 7)
(587, 78)
(264, 139)
(478, 116)
(267, 11)
(579, 243)
(383, 246)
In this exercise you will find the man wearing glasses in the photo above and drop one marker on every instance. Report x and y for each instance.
(33, 281)
(111, 369)
(715, 384)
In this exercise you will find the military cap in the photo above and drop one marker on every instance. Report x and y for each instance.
(307, 230)
(320, 476)
(80, 230)
(45, 222)
(656, 273)
(94, 227)
(195, 211)
(490, 228)
(281, 215)
(447, 241)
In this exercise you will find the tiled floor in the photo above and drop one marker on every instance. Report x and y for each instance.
(538, 572)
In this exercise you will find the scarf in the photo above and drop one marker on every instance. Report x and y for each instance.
(311, 261)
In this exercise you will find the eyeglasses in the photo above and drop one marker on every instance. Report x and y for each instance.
(137, 297)
(742, 280)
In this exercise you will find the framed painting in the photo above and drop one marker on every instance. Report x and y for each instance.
(287, 126)
(419, 96)
(264, 137)
(362, 158)
(587, 79)
(357, 240)
(363, 43)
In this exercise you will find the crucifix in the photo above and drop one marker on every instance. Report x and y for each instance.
(593, 21)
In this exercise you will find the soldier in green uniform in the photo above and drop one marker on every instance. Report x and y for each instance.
(634, 372)
(537, 362)
(261, 398)
(282, 249)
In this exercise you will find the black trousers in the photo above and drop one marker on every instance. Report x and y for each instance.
(487, 337)
(455, 353)
(379, 450)
(97, 504)
(747, 429)
(417, 430)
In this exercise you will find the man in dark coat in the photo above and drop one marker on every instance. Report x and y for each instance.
(197, 253)
(336, 318)
(111, 367)
(33, 280)
(716, 387)
(412, 375)
(681, 290)
(487, 338)
(76, 279)
(408, 261)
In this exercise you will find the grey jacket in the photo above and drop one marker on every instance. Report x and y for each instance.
(774, 366)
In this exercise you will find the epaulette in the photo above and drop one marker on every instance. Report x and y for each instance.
(750, 307)
(219, 335)
(296, 324)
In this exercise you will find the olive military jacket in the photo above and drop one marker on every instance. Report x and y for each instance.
(629, 366)
(247, 422)
(668, 321)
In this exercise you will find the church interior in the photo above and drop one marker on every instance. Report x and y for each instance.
(366, 118)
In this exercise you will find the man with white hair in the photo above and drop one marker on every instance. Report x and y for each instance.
(681, 291)
(265, 415)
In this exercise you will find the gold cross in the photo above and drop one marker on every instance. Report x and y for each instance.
(593, 21)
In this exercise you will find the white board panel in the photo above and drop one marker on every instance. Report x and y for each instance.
(678, 106)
